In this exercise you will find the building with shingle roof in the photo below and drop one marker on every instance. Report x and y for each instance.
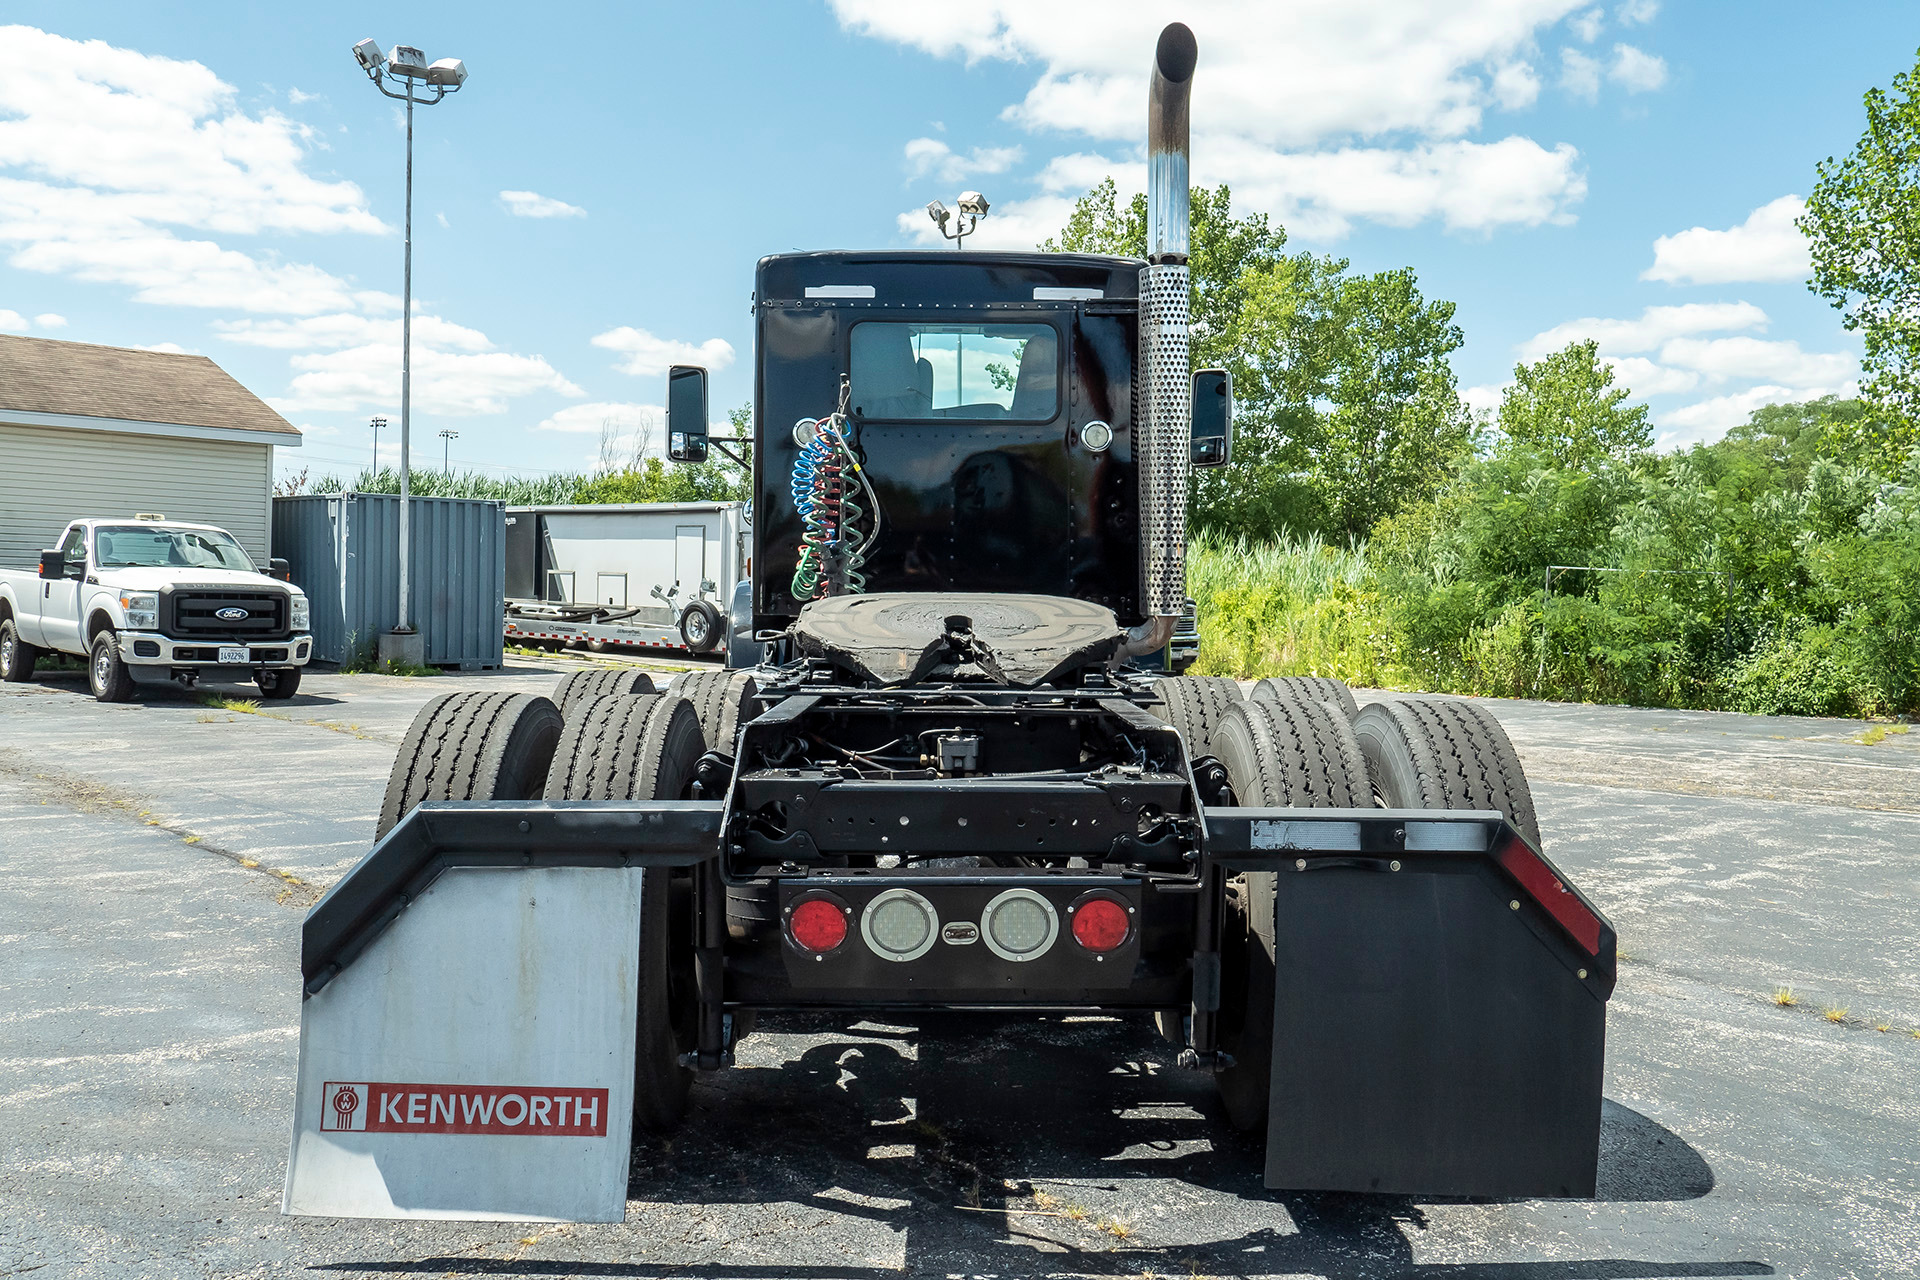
(107, 431)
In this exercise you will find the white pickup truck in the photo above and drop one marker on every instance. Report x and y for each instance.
(149, 600)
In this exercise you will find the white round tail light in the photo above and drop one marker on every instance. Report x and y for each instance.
(1019, 924)
(899, 925)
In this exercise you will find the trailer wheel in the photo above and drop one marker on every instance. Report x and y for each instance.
(723, 702)
(472, 746)
(577, 688)
(1283, 753)
(17, 657)
(700, 627)
(1196, 706)
(1442, 753)
(645, 747)
(1310, 689)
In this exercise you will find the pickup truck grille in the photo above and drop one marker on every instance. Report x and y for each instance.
(191, 613)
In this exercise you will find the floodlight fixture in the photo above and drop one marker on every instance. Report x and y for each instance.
(407, 61)
(368, 55)
(450, 72)
(957, 225)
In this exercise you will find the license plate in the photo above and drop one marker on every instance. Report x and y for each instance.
(234, 655)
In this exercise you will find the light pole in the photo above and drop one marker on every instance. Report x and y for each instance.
(973, 207)
(449, 435)
(409, 66)
(374, 474)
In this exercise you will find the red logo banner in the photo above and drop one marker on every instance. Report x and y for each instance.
(534, 1110)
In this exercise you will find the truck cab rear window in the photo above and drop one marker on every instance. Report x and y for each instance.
(905, 371)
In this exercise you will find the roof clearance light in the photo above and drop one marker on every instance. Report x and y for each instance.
(1019, 925)
(1101, 923)
(899, 925)
(817, 925)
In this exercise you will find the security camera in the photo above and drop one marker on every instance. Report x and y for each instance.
(368, 55)
(938, 212)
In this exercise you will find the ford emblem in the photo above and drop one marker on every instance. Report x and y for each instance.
(231, 614)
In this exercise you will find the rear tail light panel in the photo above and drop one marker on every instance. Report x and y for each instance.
(1032, 955)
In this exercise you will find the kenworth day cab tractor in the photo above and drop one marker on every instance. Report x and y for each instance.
(947, 788)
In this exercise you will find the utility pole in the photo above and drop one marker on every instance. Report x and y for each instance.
(377, 424)
(449, 435)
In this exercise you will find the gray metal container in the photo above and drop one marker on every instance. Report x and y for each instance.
(343, 550)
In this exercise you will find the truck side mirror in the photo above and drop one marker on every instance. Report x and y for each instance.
(53, 564)
(1212, 418)
(687, 413)
(281, 569)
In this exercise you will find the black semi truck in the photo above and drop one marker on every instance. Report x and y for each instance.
(949, 788)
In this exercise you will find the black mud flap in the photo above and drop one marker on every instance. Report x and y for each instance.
(1439, 1026)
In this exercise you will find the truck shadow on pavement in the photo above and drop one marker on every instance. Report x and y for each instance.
(1021, 1147)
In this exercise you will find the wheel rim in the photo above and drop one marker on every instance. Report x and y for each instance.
(6, 652)
(696, 626)
(102, 665)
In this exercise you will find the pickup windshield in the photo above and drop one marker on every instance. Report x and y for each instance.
(140, 547)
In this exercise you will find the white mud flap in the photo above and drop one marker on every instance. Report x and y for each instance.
(476, 1060)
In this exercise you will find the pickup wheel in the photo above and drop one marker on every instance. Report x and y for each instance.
(472, 746)
(278, 684)
(1283, 753)
(645, 747)
(17, 657)
(106, 674)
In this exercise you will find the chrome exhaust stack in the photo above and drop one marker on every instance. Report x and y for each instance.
(1163, 397)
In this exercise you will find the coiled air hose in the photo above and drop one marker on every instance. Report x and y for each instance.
(833, 548)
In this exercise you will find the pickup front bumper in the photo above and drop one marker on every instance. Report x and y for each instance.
(153, 658)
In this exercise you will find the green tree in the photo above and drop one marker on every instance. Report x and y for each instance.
(1863, 225)
(1565, 408)
(1344, 407)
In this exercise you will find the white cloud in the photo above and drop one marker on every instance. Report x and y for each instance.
(1485, 400)
(50, 320)
(300, 99)
(1711, 419)
(347, 330)
(531, 204)
(1392, 93)
(591, 419)
(1579, 75)
(449, 383)
(1767, 246)
(12, 321)
(1774, 362)
(931, 156)
(442, 219)
(1653, 327)
(1634, 13)
(1587, 25)
(1515, 86)
(1645, 378)
(646, 355)
(1637, 70)
(108, 154)
(166, 348)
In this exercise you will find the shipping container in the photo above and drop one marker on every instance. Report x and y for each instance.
(343, 551)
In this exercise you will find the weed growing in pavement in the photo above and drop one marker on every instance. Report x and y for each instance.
(1784, 997)
(1116, 1228)
(1838, 1013)
(247, 706)
(1878, 733)
(1883, 1026)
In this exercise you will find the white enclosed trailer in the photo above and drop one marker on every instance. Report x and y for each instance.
(625, 575)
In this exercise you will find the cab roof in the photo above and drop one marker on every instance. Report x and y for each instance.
(908, 277)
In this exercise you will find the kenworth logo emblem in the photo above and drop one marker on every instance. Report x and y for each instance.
(231, 614)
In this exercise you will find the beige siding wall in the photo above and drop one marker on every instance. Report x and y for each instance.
(49, 476)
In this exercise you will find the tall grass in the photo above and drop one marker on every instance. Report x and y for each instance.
(519, 491)
(1291, 607)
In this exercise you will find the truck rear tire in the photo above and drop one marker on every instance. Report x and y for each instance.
(278, 684)
(1311, 688)
(1196, 706)
(106, 674)
(1278, 753)
(472, 746)
(645, 747)
(17, 657)
(581, 687)
(723, 701)
(1443, 753)
(701, 628)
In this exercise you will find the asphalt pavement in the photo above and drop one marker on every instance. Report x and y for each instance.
(156, 859)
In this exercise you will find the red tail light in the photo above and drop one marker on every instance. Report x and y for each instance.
(817, 925)
(1547, 889)
(1101, 922)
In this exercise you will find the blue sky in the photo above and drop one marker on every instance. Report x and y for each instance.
(222, 179)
